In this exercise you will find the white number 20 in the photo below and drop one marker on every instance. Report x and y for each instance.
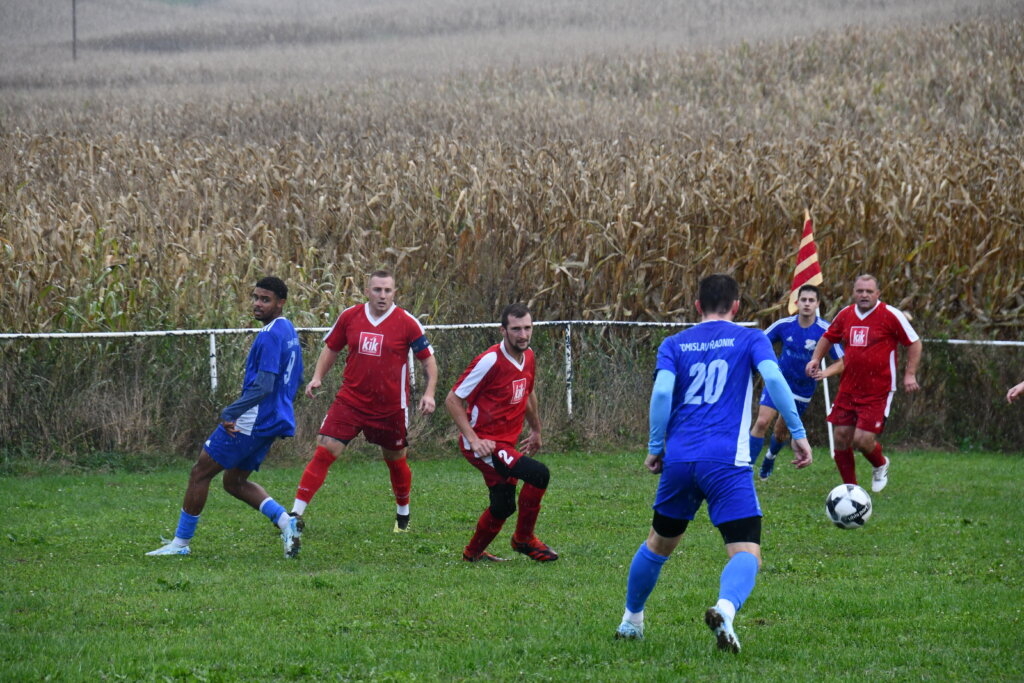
(708, 382)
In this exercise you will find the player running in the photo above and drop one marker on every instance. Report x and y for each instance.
(373, 398)
(870, 332)
(250, 425)
(488, 404)
(700, 420)
(798, 335)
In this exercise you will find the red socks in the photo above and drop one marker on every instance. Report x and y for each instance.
(845, 465)
(316, 471)
(401, 479)
(529, 508)
(875, 457)
(487, 527)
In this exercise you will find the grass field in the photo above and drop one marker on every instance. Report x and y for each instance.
(929, 590)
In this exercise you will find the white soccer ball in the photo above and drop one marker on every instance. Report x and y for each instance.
(848, 506)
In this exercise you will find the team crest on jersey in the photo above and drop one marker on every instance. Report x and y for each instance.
(858, 336)
(518, 390)
(809, 345)
(371, 343)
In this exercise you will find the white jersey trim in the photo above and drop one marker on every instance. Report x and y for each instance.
(480, 370)
(377, 321)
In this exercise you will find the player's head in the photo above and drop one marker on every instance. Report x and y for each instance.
(380, 291)
(808, 298)
(516, 328)
(718, 294)
(866, 292)
(268, 297)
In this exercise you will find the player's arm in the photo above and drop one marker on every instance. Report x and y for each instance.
(833, 370)
(260, 388)
(661, 411)
(323, 364)
(913, 360)
(532, 443)
(782, 396)
(427, 404)
(1015, 392)
(813, 367)
(456, 407)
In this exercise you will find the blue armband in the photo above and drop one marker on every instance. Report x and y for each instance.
(782, 396)
(661, 410)
(262, 387)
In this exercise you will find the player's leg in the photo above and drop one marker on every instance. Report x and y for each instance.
(736, 513)
(236, 482)
(644, 570)
(502, 506)
(675, 503)
(780, 437)
(843, 417)
(870, 423)
(203, 472)
(535, 475)
(401, 485)
(502, 494)
(328, 449)
(765, 414)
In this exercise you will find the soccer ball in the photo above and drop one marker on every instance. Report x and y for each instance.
(848, 506)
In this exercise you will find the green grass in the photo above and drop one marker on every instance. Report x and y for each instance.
(930, 589)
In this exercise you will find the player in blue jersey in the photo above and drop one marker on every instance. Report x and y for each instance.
(699, 443)
(250, 425)
(798, 334)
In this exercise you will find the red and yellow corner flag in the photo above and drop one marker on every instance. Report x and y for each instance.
(807, 272)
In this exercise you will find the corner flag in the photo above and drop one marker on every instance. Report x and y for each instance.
(807, 272)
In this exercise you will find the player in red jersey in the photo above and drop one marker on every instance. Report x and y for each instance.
(870, 332)
(488, 404)
(373, 395)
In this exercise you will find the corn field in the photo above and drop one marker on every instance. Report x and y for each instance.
(597, 187)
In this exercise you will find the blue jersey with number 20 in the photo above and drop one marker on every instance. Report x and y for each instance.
(275, 350)
(714, 363)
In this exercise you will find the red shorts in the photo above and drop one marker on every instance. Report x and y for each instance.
(867, 414)
(343, 422)
(505, 451)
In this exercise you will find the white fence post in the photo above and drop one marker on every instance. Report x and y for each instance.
(568, 368)
(213, 363)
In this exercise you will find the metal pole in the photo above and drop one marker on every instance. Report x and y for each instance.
(213, 363)
(74, 30)
(568, 368)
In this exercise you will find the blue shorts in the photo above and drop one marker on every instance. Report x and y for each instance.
(801, 402)
(238, 451)
(728, 489)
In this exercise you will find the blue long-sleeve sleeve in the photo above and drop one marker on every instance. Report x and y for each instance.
(661, 411)
(262, 387)
(781, 395)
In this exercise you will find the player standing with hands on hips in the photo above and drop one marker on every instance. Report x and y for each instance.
(699, 444)
(250, 425)
(373, 398)
(488, 404)
(870, 332)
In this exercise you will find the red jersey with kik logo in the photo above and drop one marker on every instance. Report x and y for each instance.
(375, 381)
(869, 344)
(496, 388)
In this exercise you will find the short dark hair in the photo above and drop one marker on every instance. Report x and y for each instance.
(868, 276)
(516, 310)
(717, 293)
(275, 285)
(381, 273)
(809, 288)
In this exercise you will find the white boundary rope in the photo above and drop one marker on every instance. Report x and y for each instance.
(566, 324)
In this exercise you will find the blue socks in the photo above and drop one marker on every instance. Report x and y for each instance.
(738, 578)
(272, 509)
(643, 575)
(186, 527)
(756, 444)
(775, 446)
